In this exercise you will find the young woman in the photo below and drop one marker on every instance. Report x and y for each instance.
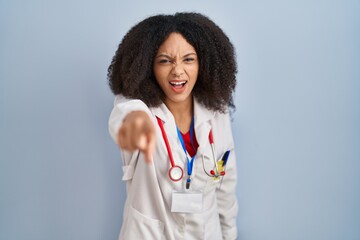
(173, 77)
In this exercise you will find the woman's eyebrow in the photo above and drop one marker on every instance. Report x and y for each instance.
(163, 55)
(168, 56)
(189, 54)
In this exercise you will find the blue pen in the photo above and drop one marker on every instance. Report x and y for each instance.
(225, 157)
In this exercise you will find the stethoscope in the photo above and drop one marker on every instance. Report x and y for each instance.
(214, 173)
(176, 172)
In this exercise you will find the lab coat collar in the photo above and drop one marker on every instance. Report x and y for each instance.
(202, 125)
(163, 113)
(201, 113)
(202, 117)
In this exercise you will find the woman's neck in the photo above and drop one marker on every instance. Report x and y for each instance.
(182, 113)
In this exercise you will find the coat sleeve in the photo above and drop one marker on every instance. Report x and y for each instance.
(123, 106)
(226, 193)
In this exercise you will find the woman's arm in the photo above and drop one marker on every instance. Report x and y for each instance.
(131, 127)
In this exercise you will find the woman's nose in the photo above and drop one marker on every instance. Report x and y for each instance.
(177, 69)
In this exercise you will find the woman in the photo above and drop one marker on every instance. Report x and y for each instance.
(174, 76)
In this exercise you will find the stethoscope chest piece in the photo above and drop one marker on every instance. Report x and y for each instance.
(176, 173)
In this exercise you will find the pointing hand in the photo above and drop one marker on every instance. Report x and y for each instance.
(138, 132)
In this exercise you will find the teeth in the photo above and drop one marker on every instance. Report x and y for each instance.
(178, 83)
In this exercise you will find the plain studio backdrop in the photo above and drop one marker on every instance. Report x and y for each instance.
(296, 127)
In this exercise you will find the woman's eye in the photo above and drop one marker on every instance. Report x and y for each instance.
(189, 60)
(164, 61)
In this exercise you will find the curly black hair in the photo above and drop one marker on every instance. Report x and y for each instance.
(131, 70)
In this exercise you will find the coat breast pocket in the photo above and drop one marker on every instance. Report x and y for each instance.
(139, 226)
(213, 168)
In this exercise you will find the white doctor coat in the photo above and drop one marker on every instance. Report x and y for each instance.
(147, 211)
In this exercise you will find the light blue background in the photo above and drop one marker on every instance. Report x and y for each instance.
(296, 127)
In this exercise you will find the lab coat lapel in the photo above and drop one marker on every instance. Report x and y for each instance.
(202, 125)
(202, 117)
(163, 113)
(168, 120)
(169, 124)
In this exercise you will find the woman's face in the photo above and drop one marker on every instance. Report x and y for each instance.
(176, 69)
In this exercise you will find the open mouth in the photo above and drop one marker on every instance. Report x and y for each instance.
(177, 84)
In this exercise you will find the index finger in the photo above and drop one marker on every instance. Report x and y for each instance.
(150, 146)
